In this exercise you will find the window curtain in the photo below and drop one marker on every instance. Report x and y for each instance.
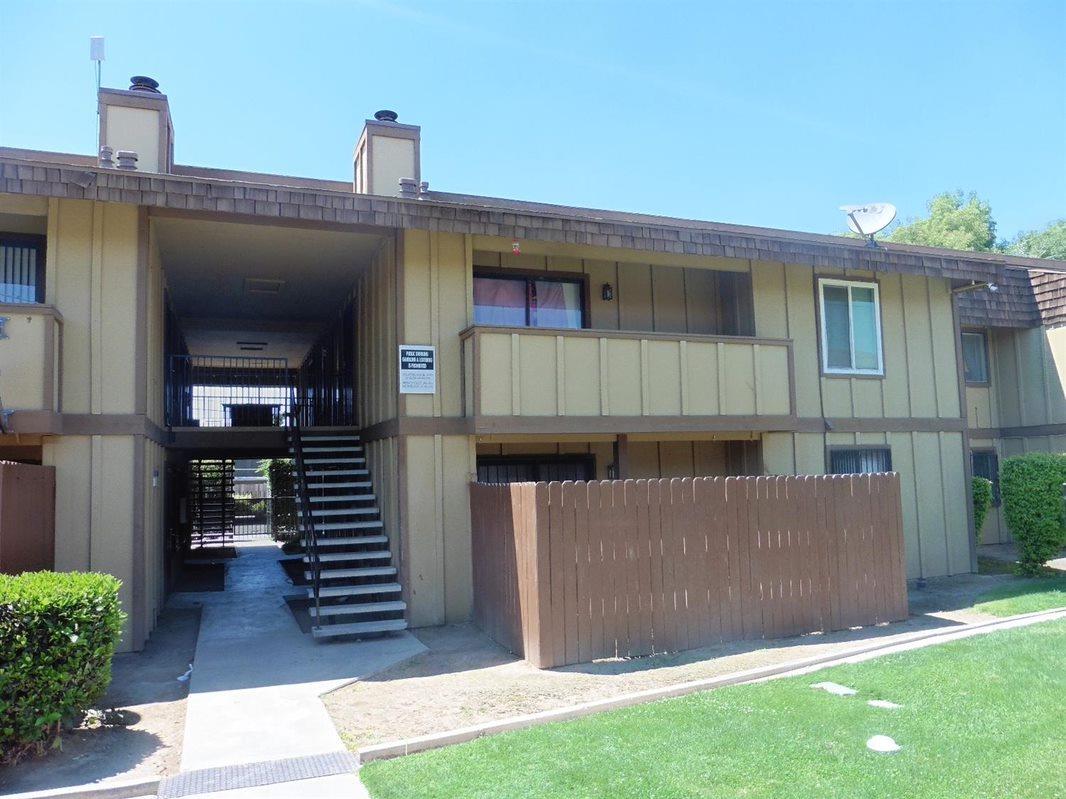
(499, 301)
(556, 304)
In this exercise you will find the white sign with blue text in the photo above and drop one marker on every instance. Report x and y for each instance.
(418, 369)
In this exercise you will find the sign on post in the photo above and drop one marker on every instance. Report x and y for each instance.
(418, 369)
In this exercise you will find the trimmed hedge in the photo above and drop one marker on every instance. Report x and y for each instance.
(982, 501)
(57, 635)
(1031, 486)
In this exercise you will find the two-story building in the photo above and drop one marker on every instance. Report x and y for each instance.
(157, 313)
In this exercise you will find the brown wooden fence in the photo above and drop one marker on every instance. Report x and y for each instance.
(571, 572)
(27, 517)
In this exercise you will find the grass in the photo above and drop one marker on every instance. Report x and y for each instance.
(1024, 596)
(980, 717)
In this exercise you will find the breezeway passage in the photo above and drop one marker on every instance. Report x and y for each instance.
(257, 679)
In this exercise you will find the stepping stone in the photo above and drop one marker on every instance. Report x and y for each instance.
(835, 689)
(883, 703)
(882, 744)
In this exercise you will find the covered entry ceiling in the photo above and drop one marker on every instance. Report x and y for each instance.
(232, 282)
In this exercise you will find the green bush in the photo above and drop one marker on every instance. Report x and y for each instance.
(57, 635)
(982, 501)
(1031, 486)
(282, 488)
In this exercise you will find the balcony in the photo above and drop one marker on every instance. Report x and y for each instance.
(30, 339)
(528, 380)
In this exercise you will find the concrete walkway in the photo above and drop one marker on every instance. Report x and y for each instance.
(257, 679)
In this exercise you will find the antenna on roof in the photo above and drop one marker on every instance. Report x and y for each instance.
(869, 219)
(96, 54)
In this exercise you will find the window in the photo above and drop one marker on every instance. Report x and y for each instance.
(860, 460)
(529, 301)
(851, 327)
(535, 468)
(985, 463)
(21, 268)
(975, 356)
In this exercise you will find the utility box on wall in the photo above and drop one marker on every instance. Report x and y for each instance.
(27, 517)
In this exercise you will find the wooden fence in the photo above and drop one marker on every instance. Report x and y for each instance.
(27, 517)
(571, 572)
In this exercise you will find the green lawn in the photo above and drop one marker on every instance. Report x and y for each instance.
(1024, 596)
(981, 717)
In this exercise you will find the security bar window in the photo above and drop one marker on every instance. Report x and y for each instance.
(975, 357)
(21, 268)
(985, 463)
(856, 460)
(851, 328)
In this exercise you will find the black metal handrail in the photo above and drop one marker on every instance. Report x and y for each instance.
(306, 518)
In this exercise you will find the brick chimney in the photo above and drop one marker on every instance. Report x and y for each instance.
(138, 120)
(387, 153)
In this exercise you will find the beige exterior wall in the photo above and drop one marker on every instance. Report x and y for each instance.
(102, 284)
(1027, 371)
(920, 383)
(135, 129)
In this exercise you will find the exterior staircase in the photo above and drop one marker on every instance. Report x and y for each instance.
(357, 591)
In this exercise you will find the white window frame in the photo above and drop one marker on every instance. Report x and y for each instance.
(849, 285)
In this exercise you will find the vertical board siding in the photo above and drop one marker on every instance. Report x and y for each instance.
(27, 517)
(571, 572)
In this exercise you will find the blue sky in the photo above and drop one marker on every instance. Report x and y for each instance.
(749, 112)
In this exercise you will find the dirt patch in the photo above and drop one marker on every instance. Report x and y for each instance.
(467, 679)
(146, 739)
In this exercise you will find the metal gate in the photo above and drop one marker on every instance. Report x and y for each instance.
(211, 503)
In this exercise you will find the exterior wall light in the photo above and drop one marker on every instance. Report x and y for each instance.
(607, 292)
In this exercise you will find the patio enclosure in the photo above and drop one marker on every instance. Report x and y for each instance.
(575, 571)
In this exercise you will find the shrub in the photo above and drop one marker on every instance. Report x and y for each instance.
(282, 488)
(1031, 486)
(57, 635)
(982, 501)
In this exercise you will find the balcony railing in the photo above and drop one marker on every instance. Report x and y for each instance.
(566, 374)
(223, 391)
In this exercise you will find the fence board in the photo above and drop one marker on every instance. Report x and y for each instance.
(568, 572)
(27, 517)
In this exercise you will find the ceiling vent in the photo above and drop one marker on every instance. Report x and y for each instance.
(251, 346)
(261, 285)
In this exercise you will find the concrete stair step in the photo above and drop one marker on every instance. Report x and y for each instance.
(350, 574)
(320, 486)
(317, 461)
(348, 540)
(355, 609)
(333, 449)
(336, 472)
(374, 554)
(359, 628)
(340, 498)
(317, 437)
(337, 591)
(345, 525)
(317, 512)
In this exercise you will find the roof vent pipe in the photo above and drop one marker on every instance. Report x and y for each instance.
(386, 116)
(142, 83)
(127, 159)
(408, 188)
(107, 157)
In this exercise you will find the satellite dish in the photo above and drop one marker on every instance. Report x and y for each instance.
(869, 219)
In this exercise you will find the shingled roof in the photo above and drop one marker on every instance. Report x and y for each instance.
(276, 197)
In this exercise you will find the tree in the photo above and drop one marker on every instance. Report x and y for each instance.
(1047, 243)
(957, 220)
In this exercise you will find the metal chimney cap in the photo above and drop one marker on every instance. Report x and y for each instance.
(385, 115)
(142, 83)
